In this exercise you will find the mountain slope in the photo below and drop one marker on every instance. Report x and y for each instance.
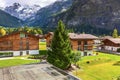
(43, 14)
(22, 12)
(9, 21)
(100, 14)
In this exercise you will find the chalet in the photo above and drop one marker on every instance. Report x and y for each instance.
(79, 42)
(110, 45)
(20, 43)
(49, 38)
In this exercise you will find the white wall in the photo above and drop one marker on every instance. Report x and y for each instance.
(33, 51)
(17, 53)
(88, 52)
(111, 48)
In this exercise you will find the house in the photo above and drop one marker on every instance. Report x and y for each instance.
(83, 43)
(20, 43)
(49, 38)
(79, 42)
(110, 45)
(105, 37)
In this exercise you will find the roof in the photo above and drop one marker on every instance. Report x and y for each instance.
(106, 37)
(40, 36)
(82, 36)
(19, 33)
(78, 36)
(115, 40)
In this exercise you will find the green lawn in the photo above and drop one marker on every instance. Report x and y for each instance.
(100, 67)
(16, 61)
(42, 45)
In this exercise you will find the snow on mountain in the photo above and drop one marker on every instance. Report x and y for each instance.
(22, 11)
(42, 15)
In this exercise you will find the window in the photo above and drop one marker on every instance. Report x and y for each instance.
(85, 42)
(21, 45)
(22, 35)
(85, 48)
(27, 45)
(78, 48)
(79, 42)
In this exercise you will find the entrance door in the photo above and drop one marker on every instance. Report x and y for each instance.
(85, 53)
(27, 52)
(21, 53)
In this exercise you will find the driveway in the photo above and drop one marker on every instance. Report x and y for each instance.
(41, 71)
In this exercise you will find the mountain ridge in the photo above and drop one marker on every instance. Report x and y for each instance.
(7, 20)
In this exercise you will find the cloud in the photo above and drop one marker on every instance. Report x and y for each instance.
(2, 3)
(42, 3)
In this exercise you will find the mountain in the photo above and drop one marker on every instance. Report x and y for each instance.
(9, 21)
(22, 11)
(42, 15)
(95, 15)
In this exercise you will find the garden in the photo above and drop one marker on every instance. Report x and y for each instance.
(21, 60)
(100, 67)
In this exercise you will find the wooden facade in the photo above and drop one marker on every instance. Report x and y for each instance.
(110, 45)
(78, 42)
(82, 45)
(49, 38)
(19, 41)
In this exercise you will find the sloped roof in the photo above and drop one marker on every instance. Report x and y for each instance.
(19, 33)
(82, 36)
(115, 40)
(79, 36)
(105, 37)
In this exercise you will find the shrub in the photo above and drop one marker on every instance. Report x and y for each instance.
(6, 54)
(118, 50)
(88, 62)
(118, 78)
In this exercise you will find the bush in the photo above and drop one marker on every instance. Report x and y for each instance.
(88, 62)
(37, 56)
(118, 78)
(118, 50)
(6, 54)
(42, 52)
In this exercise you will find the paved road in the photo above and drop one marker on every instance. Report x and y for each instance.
(41, 71)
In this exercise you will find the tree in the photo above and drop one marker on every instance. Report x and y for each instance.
(2, 32)
(118, 78)
(115, 33)
(60, 52)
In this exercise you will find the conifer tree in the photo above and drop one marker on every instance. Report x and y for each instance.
(60, 52)
(115, 33)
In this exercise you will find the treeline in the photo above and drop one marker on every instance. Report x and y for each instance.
(85, 28)
(32, 30)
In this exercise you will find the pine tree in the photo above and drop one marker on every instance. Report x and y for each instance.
(115, 33)
(60, 52)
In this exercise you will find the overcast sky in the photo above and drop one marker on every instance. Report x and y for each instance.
(42, 3)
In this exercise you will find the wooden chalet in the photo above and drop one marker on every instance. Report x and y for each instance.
(79, 42)
(110, 45)
(20, 43)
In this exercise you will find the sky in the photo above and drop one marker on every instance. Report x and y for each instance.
(42, 3)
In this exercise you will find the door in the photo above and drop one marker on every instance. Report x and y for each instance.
(21, 53)
(85, 53)
(27, 52)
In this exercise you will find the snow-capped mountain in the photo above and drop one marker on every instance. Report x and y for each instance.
(42, 15)
(22, 11)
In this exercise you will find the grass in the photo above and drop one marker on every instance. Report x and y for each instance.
(100, 67)
(23, 60)
(42, 46)
(15, 62)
